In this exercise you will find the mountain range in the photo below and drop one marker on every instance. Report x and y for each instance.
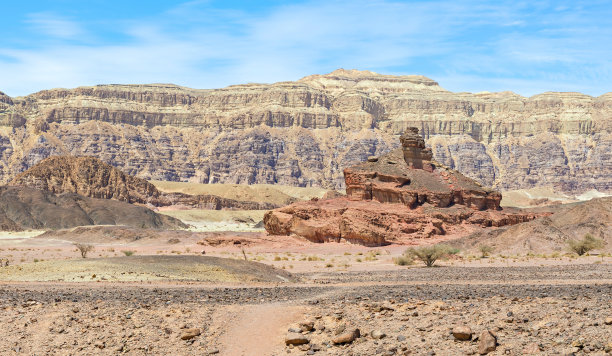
(304, 133)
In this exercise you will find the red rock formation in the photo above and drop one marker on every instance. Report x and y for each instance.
(396, 198)
(409, 176)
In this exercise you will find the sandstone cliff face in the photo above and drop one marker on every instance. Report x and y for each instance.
(306, 132)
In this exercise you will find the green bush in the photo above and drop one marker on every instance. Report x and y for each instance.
(485, 250)
(403, 260)
(430, 254)
(128, 253)
(588, 243)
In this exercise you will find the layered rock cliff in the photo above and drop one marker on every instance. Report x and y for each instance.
(306, 132)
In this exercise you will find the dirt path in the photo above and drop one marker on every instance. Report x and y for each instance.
(258, 329)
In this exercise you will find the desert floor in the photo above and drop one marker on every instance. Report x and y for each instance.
(54, 302)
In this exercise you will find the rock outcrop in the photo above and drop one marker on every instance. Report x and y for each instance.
(306, 132)
(27, 208)
(398, 197)
(409, 176)
(88, 176)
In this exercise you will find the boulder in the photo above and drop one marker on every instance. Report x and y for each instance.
(487, 342)
(347, 337)
(462, 333)
(296, 339)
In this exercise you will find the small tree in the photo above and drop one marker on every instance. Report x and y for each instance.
(84, 249)
(585, 245)
(430, 254)
(485, 250)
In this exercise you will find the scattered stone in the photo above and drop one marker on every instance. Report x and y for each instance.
(189, 334)
(377, 334)
(347, 337)
(487, 342)
(608, 321)
(296, 339)
(462, 333)
(307, 326)
(339, 329)
(532, 348)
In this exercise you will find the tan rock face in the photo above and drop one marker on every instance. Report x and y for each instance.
(306, 132)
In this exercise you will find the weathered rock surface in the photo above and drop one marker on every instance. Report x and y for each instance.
(395, 198)
(306, 132)
(88, 176)
(26, 208)
(372, 223)
(409, 176)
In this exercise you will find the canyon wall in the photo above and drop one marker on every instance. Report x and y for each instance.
(306, 132)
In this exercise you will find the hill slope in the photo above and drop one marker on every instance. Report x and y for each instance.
(550, 233)
(26, 208)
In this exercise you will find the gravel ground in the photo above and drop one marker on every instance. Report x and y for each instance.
(531, 310)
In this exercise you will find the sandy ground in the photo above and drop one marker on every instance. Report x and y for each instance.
(546, 304)
(270, 193)
(219, 220)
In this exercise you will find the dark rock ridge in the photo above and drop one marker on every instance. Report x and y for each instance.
(398, 197)
(27, 208)
(307, 132)
(91, 177)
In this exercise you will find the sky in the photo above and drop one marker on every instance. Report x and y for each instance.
(527, 47)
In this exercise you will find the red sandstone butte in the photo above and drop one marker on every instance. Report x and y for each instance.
(398, 197)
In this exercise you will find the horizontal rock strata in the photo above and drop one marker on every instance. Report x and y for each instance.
(306, 132)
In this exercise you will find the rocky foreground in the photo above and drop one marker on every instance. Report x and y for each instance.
(434, 311)
(306, 132)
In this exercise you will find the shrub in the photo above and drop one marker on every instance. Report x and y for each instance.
(128, 252)
(485, 250)
(429, 254)
(84, 249)
(588, 243)
(403, 260)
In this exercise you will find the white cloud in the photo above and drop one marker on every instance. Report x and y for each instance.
(54, 26)
(465, 46)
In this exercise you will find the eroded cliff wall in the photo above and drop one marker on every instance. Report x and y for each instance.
(306, 132)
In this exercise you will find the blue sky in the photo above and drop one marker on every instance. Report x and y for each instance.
(527, 47)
